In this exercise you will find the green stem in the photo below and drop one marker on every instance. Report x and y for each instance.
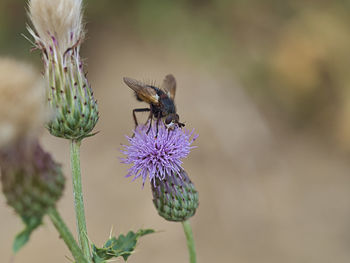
(66, 235)
(190, 241)
(78, 198)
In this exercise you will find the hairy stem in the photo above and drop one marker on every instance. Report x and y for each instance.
(78, 198)
(190, 241)
(66, 235)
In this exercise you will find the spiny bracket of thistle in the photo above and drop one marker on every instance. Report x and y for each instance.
(58, 33)
(175, 197)
(123, 246)
(32, 183)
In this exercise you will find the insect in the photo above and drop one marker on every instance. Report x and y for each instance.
(161, 101)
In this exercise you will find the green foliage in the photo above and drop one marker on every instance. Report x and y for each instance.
(23, 237)
(122, 246)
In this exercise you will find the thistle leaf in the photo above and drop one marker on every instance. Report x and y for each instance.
(23, 237)
(123, 246)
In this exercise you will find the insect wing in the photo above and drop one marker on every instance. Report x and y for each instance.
(169, 86)
(144, 92)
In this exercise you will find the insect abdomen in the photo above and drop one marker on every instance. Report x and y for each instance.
(168, 105)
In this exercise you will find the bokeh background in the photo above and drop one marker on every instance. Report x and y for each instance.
(266, 85)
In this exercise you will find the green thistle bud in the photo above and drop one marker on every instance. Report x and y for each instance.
(31, 180)
(175, 197)
(71, 98)
(58, 32)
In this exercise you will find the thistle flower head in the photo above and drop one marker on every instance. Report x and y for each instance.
(31, 180)
(32, 183)
(58, 33)
(56, 22)
(155, 155)
(22, 101)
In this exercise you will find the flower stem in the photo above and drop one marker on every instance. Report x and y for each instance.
(78, 198)
(190, 241)
(66, 235)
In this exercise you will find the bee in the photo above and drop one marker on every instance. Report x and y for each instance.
(161, 101)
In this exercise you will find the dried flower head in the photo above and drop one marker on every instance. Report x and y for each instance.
(22, 101)
(157, 155)
(58, 21)
(58, 33)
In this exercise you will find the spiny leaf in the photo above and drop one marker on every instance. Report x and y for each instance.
(95, 257)
(122, 246)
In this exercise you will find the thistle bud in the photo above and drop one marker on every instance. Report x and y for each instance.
(58, 33)
(175, 197)
(31, 180)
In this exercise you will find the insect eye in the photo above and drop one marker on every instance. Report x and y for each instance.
(168, 120)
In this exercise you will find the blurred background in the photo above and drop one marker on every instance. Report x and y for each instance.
(266, 85)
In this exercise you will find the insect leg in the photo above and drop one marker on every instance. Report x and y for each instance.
(157, 125)
(138, 110)
(150, 123)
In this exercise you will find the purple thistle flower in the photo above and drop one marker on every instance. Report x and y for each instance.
(157, 156)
